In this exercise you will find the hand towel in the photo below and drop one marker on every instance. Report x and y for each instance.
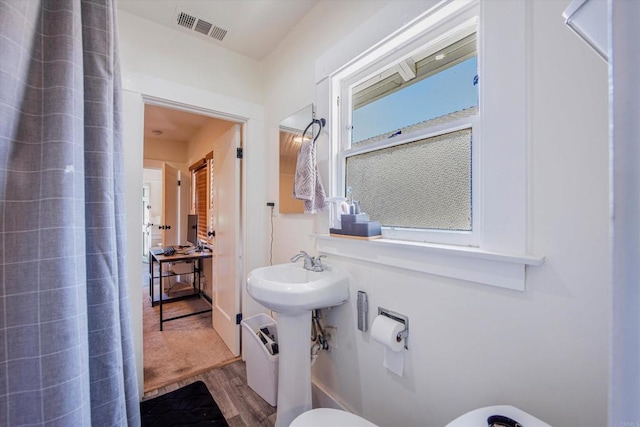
(307, 185)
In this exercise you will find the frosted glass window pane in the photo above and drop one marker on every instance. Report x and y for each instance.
(423, 184)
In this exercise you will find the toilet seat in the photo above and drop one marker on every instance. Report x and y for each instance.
(323, 417)
(478, 417)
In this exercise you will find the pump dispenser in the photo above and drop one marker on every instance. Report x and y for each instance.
(339, 207)
(350, 221)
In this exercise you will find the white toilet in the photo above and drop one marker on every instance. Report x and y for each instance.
(509, 415)
(501, 415)
(325, 417)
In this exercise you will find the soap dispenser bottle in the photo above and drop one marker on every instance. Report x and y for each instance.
(339, 207)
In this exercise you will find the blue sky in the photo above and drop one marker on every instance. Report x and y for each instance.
(448, 91)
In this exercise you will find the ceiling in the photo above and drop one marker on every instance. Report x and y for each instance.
(166, 124)
(254, 27)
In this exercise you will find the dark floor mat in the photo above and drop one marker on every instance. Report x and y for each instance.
(191, 405)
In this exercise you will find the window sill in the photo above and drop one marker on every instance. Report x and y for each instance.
(465, 263)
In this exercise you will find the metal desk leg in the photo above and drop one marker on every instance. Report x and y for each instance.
(193, 274)
(196, 263)
(151, 277)
(160, 293)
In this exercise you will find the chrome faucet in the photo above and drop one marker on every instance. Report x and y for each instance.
(308, 260)
(310, 263)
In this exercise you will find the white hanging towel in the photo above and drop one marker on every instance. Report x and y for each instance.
(307, 185)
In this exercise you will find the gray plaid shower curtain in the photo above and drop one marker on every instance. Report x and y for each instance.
(66, 351)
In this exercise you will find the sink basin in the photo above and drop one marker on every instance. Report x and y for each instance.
(290, 288)
(292, 292)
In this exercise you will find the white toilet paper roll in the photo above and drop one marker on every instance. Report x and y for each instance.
(385, 330)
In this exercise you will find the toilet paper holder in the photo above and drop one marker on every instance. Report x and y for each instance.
(398, 318)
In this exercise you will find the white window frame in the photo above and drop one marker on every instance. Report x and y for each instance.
(459, 25)
(430, 41)
(502, 130)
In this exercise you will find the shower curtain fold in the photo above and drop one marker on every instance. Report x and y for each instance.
(67, 352)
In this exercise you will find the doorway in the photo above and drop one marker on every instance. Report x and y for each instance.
(175, 140)
(151, 209)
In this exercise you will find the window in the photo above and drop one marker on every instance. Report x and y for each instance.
(417, 92)
(425, 184)
(408, 148)
(494, 252)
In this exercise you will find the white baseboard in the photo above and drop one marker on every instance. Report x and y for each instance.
(321, 398)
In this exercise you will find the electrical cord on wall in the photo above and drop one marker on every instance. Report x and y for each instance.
(271, 205)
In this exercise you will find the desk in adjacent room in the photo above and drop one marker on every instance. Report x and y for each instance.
(195, 258)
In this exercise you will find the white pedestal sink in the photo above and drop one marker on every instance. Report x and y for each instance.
(293, 292)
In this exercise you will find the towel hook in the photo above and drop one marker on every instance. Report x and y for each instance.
(319, 122)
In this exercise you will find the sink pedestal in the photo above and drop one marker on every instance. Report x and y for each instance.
(294, 292)
(294, 372)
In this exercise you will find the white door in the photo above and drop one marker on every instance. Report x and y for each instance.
(226, 254)
(170, 206)
(146, 232)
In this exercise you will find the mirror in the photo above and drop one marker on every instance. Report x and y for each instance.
(291, 136)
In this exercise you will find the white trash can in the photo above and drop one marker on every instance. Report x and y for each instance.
(260, 340)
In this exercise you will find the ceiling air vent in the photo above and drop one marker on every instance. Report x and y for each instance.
(186, 20)
(202, 27)
(193, 23)
(218, 33)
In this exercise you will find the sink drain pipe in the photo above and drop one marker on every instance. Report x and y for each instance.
(318, 336)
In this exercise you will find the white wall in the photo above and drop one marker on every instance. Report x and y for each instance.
(165, 67)
(165, 150)
(289, 86)
(132, 135)
(544, 350)
(151, 49)
(207, 139)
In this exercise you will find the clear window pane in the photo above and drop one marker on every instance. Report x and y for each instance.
(422, 184)
(417, 90)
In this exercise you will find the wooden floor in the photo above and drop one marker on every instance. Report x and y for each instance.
(239, 404)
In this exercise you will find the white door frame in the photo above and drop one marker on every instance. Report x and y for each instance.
(140, 90)
(148, 100)
(146, 228)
